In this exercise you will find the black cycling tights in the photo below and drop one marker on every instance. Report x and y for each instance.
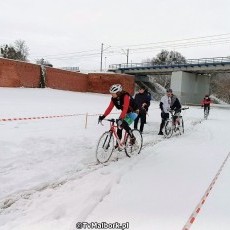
(126, 127)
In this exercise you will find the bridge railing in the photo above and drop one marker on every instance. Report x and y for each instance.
(188, 62)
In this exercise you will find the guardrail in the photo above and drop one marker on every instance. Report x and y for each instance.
(188, 62)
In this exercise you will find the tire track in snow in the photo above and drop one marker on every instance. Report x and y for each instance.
(79, 174)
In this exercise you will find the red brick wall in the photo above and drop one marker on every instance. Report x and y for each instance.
(18, 74)
(101, 82)
(66, 80)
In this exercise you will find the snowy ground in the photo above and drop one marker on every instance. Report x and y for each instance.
(49, 178)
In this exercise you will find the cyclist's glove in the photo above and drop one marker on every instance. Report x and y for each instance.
(119, 122)
(100, 118)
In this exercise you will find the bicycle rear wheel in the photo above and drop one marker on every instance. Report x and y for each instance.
(105, 147)
(134, 149)
(168, 129)
(181, 126)
(206, 112)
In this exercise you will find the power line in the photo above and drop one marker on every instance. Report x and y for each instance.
(142, 48)
(179, 40)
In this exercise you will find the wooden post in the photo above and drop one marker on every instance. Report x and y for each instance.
(86, 120)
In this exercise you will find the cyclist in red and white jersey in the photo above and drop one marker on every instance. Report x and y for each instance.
(123, 101)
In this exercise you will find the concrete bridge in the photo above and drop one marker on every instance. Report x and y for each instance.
(190, 81)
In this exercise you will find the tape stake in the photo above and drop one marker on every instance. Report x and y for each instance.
(86, 120)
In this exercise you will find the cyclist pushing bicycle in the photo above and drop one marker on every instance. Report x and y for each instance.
(123, 101)
(169, 102)
(175, 106)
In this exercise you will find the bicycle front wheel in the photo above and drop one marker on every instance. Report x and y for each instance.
(105, 147)
(132, 149)
(168, 129)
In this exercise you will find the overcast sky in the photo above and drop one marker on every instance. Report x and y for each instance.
(61, 31)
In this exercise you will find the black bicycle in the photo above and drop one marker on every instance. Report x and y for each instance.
(175, 124)
(206, 112)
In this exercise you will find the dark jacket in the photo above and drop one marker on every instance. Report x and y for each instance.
(143, 101)
(175, 103)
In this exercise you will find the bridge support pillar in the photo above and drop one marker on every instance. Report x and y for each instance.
(189, 87)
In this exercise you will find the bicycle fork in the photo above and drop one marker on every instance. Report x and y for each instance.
(106, 144)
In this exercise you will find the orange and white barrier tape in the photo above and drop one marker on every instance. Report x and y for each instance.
(35, 118)
(203, 199)
(54, 116)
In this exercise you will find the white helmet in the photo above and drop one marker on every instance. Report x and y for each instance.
(115, 88)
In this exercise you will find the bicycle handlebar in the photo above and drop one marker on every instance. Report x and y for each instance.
(178, 109)
(111, 120)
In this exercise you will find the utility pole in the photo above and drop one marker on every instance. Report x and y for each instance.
(126, 53)
(101, 55)
(127, 56)
(102, 50)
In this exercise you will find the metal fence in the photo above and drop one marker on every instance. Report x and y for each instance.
(188, 62)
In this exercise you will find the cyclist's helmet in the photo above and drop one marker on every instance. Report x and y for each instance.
(115, 88)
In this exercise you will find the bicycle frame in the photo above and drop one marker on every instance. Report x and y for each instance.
(106, 143)
(177, 124)
(113, 130)
(175, 121)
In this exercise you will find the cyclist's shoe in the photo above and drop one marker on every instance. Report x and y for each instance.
(132, 140)
(160, 133)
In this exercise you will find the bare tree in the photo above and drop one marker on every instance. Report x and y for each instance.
(22, 49)
(220, 85)
(44, 62)
(8, 52)
(17, 52)
(163, 80)
(166, 57)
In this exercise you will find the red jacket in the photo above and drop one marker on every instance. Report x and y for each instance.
(206, 102)
(125, 107)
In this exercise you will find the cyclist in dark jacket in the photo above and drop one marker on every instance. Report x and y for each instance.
(175, 106)
(143, 101)
(122, 101)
